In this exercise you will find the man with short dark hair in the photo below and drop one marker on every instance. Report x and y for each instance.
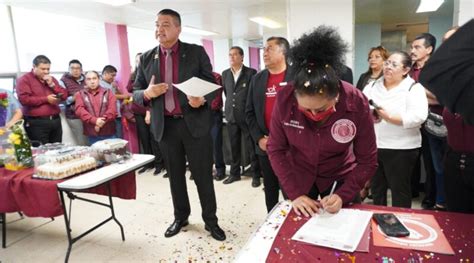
(108, 81)
(236, 81)
(180, 123)
(40, 93)
(432, 147)
(259, 106)
(74, 81)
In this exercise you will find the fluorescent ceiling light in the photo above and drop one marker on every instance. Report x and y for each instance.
(197, 31)
(265, 22)
(115, 2)
(429, 5)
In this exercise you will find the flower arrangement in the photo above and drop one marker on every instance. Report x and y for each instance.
(21, 147)
(3, 99)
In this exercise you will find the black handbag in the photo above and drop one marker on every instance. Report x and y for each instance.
(434, 125)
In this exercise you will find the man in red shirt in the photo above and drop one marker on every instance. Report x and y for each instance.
(261, 97)
(95, 106)
(39, 93)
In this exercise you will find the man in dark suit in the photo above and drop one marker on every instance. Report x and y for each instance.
(236, 81)
(261, 98)
(181, 124)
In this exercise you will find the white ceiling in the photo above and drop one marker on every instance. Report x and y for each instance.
(229, 18)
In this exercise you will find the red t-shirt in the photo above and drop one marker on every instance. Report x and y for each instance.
(273, 86)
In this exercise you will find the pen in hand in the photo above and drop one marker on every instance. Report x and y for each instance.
(330, 194)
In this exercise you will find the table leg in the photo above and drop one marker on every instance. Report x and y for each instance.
(68, 228)
(113, 212)
(4, 230)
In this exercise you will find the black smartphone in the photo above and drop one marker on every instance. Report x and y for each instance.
(390, 225)
(376, 106)
(59, 95)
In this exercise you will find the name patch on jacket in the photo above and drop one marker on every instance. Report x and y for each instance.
(343, 131)
(294, 124)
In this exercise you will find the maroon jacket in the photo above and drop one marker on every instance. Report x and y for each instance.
(101, 108)
(342, 149)
(460, 134)
(72, 86)
(33, 96)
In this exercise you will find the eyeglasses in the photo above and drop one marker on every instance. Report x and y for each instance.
(392, 64)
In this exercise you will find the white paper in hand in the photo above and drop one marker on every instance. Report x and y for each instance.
(196, 87)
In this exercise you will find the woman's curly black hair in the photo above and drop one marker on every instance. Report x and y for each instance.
(318, 58)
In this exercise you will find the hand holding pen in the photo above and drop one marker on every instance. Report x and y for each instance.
(332, 203)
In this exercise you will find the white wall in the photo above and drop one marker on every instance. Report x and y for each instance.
(463, 11)
(366, 36)
(221, 58)
(302, 16)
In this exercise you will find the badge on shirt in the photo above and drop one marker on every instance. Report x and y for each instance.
(244, 85)
(343, 131)
(156, 56)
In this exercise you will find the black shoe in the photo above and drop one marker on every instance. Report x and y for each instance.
(427, 204)
(158, 170)
(231, 179)
(255, 182)
(216, 232)
(174, 228)
(166, 175)
(144, 169)
(219, 177)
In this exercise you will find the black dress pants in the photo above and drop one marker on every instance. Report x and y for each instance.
(236, 131)
(44, 130)
(177, 145)
(147, 142)
(270, 183)
(459, 182)
(394, 171)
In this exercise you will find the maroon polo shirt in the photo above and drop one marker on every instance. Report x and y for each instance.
(33, 96)
(460, 134)
(97, 102)
(175, 57)
(343, 148)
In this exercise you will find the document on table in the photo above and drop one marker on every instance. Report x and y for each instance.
(196, 87)
(342, 231)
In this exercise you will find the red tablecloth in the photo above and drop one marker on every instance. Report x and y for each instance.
(458, 228)
(19, 192)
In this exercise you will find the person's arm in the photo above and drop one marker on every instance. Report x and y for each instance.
(250, 116)
(417, 108)
(15, 108)
(139, 86)
(82, 112)
(57, 89)
(111, 112)
(278, 147)
(205, 67)
(365, 152)
(26, 95)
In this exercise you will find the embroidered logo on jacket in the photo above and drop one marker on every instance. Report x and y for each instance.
(343, 131)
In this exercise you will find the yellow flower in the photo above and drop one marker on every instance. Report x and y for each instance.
(2, 131)
(17, 142)
(13, 136)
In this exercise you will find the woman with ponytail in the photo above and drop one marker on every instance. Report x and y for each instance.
(322, 130)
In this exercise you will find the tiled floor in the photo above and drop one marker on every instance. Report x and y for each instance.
(240, 209)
